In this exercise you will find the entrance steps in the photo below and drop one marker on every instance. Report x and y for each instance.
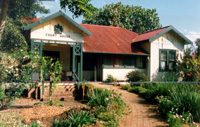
(61, 92)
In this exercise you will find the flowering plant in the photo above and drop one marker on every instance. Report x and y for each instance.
(189, 68)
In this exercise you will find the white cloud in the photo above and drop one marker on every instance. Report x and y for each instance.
(192, 35)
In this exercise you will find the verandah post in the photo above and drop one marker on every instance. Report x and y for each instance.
(81, 57)
(73, 63)
(38, 47)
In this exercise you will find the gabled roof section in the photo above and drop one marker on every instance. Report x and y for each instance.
(153, 35)
(108, 39)
(59, 13)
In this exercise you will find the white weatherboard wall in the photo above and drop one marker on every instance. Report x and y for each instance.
(45, 31)
(118, 73)
(169, 40)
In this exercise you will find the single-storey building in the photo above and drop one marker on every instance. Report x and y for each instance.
(91, 52)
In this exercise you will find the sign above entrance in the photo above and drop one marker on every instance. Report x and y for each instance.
(56, 35)
(56, 42)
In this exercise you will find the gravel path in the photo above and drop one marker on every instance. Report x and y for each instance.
(143, 114)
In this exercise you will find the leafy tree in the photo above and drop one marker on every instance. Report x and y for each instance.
(15, 68)
(13, 32)
(197, 42)
(134, 18)
(17, 9)
(3, 13)
(79, 7)
(13, 38)
(52, 69)
(25, 8)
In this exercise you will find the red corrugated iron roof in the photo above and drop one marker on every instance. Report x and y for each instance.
(31, 20)
(148, 35)
(108, 39)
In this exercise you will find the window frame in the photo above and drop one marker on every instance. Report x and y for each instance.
(140, 59)
(128, 62)
(167, 61)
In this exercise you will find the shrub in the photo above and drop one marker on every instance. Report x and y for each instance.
(7, 96)
(2, 96)
(159, 89)
(108, 105)
(187, 97)
(136, 76)
(142, 91)
(147, 85)
(173, 121)
(125, 87)
(98, 97)
(110, 78)
(165, 105)
(133, 89)
(76, 119)
(189, 68)
(34, 124)
(111, 120)
(181, 105)
(79, 118)
(57, 123)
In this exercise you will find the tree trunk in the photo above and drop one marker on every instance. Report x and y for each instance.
(50, 89)
(3, 14)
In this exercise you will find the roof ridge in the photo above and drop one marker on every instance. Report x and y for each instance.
(117, 27)
(100, 25)
(155, 30)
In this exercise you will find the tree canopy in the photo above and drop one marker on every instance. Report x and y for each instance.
(79, 7)
(25, 8)
(134, 18)
(13, 38)
(17, 9)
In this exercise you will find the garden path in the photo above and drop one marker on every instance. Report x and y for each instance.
(143, 113)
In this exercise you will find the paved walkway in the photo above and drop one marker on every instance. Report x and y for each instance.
(143, 114)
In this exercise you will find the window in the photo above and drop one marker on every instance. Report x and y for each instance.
(140, 62)
(118, 61)
(129, 61)
(124, 61)
(167, 60)
(108, 61)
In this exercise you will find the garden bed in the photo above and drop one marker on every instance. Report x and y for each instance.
(45, 114)
(179, 103)
(102, 107)
(23, 111)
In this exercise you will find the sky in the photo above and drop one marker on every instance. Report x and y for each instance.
(184, 15)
